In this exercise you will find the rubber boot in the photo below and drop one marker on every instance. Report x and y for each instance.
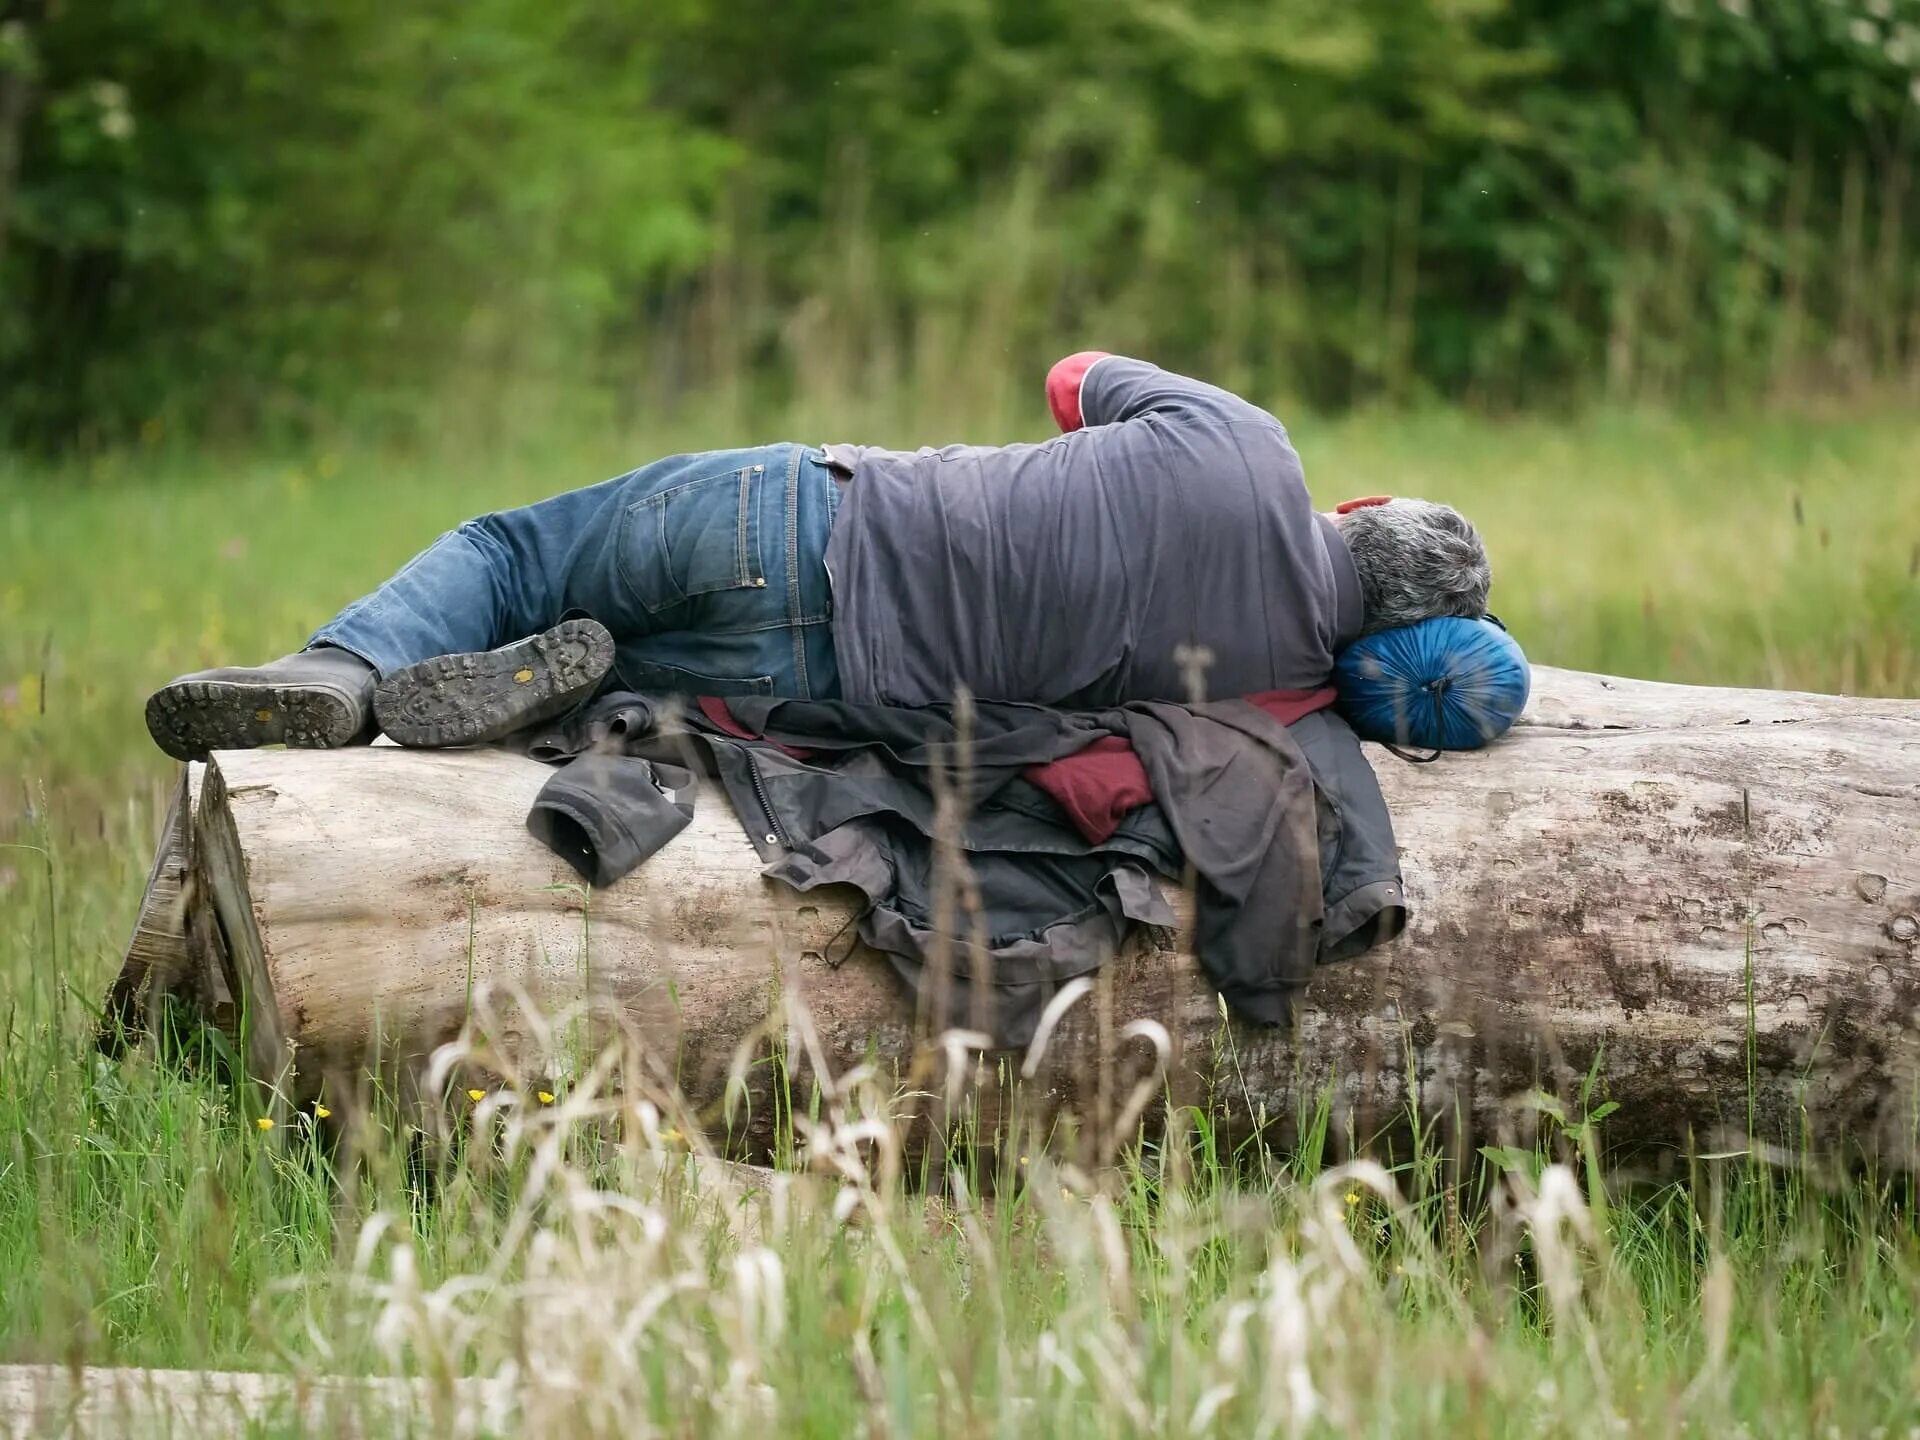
(489, 694)
(317, 699)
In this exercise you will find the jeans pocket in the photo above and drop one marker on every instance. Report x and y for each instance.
(694, 539)
(652, 678)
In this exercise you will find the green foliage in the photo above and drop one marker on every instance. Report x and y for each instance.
(232, 214)
(226, 217)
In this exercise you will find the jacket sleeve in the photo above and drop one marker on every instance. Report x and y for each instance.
(1097, 388)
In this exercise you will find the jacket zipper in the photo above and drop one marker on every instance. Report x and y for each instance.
(776, 833)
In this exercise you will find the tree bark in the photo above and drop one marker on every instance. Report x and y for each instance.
(1709, 899)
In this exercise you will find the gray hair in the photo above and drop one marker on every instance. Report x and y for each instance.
(1416, 560)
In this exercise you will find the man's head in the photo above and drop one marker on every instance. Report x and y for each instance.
(1416, 560)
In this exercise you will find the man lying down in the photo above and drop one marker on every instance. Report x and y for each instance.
(1169, 517)
(821, 606)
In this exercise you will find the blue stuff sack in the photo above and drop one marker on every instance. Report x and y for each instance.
(1443, 684)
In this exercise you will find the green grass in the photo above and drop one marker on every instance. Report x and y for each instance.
(145, 1220)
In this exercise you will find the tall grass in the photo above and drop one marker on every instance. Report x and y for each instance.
(607, 1273)
(621, 1276)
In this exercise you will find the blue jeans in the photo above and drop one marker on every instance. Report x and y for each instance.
(709, 569)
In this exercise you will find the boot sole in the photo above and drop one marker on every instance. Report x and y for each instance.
(489, 694)
(194, 717)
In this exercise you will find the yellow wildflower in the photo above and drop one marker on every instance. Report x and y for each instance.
(545, 1096)
(476, 1096)
(321, 1111)
(264, 1123)
(1353, 1197)
(671, 1136)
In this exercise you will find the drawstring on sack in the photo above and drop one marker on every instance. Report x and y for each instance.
(1437, 689)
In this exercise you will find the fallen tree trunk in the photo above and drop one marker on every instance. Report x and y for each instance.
(1710, 897)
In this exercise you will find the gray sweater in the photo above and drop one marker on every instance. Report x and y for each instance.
(1080, 571)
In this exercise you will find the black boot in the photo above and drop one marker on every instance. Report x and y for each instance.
(315, 700)
(489, 694)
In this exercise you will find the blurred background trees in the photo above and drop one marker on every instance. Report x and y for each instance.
(233, 220)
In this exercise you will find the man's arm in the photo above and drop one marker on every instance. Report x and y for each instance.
(1096, 387)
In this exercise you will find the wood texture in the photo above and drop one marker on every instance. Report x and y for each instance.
(157, 957)
(1711, 896)
(57, 1400)
(161, 956)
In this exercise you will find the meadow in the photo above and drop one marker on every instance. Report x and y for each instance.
(146, 1219)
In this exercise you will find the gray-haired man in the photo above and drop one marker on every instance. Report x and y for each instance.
(1169, 518)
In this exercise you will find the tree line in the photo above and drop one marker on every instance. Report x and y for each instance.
(237, 218)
